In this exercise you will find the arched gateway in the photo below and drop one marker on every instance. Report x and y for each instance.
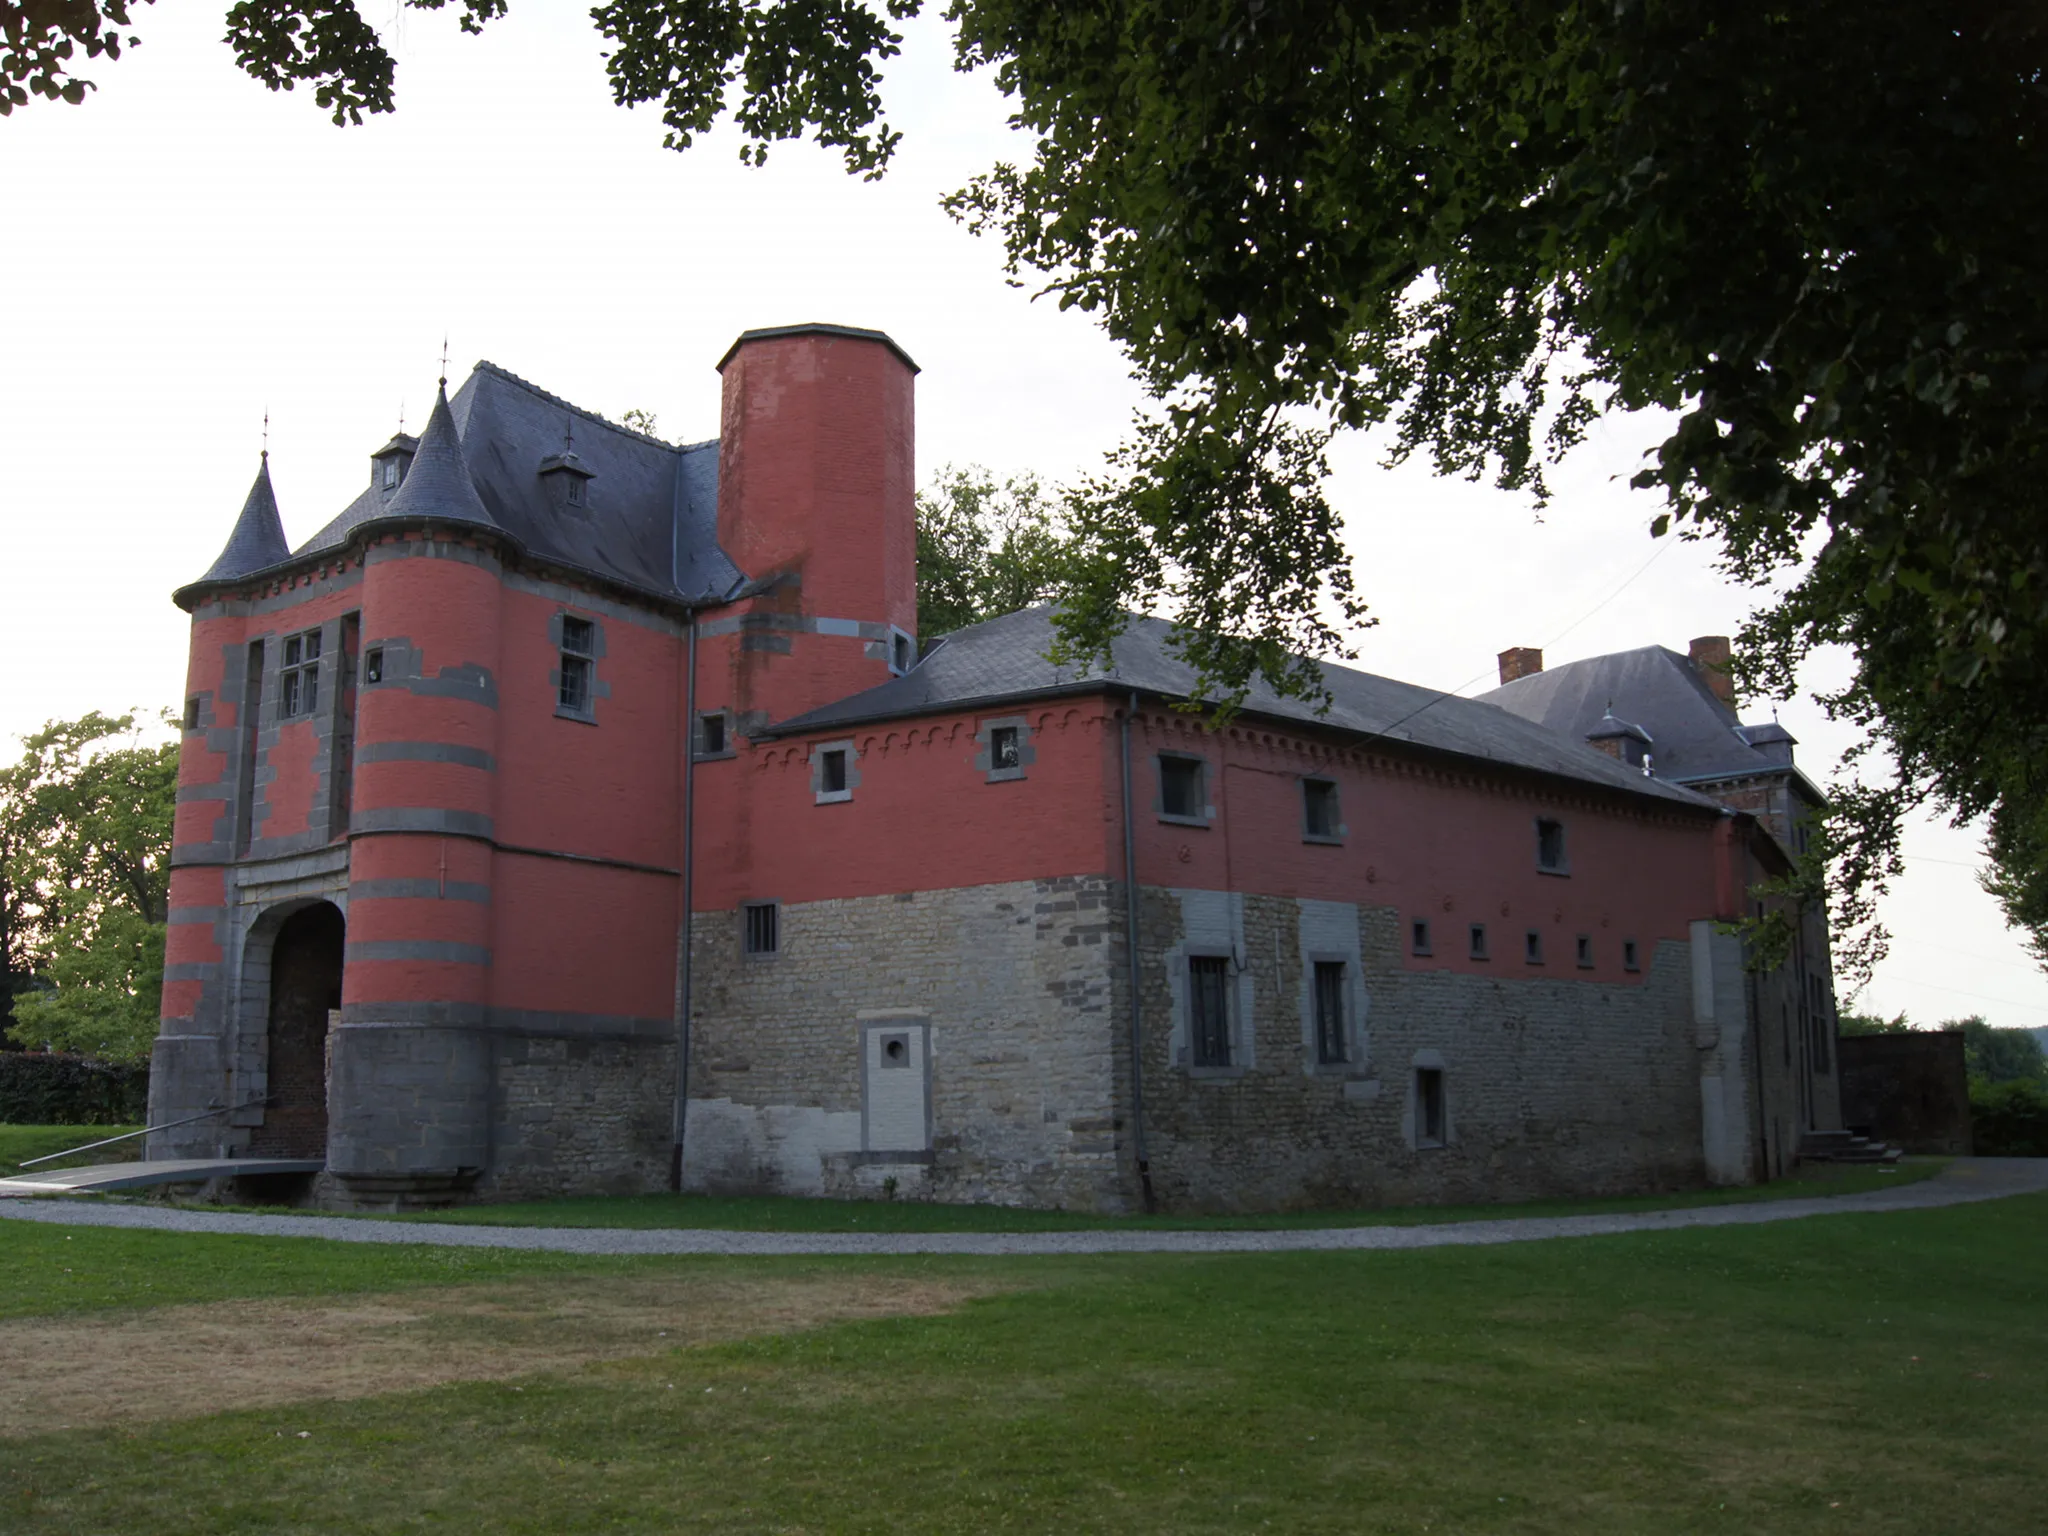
(305, 986)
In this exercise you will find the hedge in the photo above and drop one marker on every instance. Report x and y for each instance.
(53, 1088)
(2009, 1119)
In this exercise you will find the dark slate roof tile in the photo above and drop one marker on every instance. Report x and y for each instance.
(258, 540)
(1003, 660)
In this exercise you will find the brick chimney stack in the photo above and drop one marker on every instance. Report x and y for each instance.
(1520, 661)
(1710, 656)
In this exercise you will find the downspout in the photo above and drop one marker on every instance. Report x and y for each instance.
(1131, 958)
(682, 1106)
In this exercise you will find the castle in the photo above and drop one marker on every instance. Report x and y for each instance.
(578, 813)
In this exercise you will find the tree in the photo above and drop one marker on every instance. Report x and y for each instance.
(2000, 1055)
(1810, 232)
(85, 831)
(985, 549)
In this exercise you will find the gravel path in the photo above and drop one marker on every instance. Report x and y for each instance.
(1963, 1181)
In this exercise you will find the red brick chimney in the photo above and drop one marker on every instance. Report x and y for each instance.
(1520, 661)
(1710, 656)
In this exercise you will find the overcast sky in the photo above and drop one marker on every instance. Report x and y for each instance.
(188, 250)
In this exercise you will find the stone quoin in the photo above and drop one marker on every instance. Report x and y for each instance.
(447, 775)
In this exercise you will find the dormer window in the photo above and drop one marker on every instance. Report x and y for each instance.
(566, 479)
(389, 463)
(391, 473)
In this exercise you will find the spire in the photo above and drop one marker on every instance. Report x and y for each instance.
(258, 540)
(438, 483)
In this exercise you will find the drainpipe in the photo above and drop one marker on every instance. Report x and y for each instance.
(682, 1107)
(1131, 957)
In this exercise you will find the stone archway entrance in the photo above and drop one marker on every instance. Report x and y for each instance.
(305, 983)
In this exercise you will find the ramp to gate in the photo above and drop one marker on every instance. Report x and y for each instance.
(99, 1178)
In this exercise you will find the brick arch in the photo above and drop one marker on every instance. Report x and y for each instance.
(291, 979)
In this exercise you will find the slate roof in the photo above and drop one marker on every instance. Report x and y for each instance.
(1003, 661)
(258, 540)
(1693, 735)
(649, 522)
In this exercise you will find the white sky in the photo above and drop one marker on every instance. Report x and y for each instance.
(188, 249)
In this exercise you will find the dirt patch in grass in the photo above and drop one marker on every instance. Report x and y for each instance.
(178, 1362)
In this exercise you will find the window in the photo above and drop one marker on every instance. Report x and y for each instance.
(373, 664)
(1585, 951)
(298, 687)
(712, 740)
(903, 655)
(1330, 1031)
(1550, 846)
(1181, 796)
(1628, 955)
(1532, 947)
(832, 772)
(579, 657)
(1209, 1010)
(763, 935)
(895, 1051)
(192, 714)
(1418, 937)
(1319, 810)
(1429, 1106)
(573, 489)
(1005, 751)
(391, 472)
(1478, 950)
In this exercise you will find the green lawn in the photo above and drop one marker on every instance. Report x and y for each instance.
(20, 1142)
(1852, 1374)
(786, 1214)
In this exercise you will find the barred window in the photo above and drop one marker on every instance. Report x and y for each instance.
(1330, 1043)
(763, 928)
(1209, 1010)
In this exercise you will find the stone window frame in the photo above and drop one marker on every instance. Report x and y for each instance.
(902, 652)
(746, 929)
(1418, 937)
(1233, 1011)
(1351, 1016)
(1201, 764)
(819, 750)
(298, 673)
(1414, 1123)
(1308, 832)
(726, 722)
(373, 666)
(1631, 955)
(594, 685)
(1561, 865)
(1585, 951)
(985, 748)
(193, 709)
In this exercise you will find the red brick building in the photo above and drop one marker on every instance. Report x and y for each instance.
(558, 726)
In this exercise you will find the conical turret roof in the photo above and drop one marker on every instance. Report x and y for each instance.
(258, 540)
(438, 484)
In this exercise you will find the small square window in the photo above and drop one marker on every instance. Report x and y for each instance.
(711, 738)
(192, 714)
(1478, 950)
(1005, 750)
(1418, 937)
(895, 1051)
(763, 928)
(1532, 947)
(1585, 951)
(832, 771)
(1429, 1106)
(1629, 961)
(1180, 789)
(1550, 846)
(1319, 810)
(373, 664)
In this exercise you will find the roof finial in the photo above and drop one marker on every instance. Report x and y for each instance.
(444, 359)
(401, 418)
(568, 434)
(266, 434)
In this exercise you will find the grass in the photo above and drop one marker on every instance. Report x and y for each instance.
(18, 1143)
(790, 1214)
(1857, 1373)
